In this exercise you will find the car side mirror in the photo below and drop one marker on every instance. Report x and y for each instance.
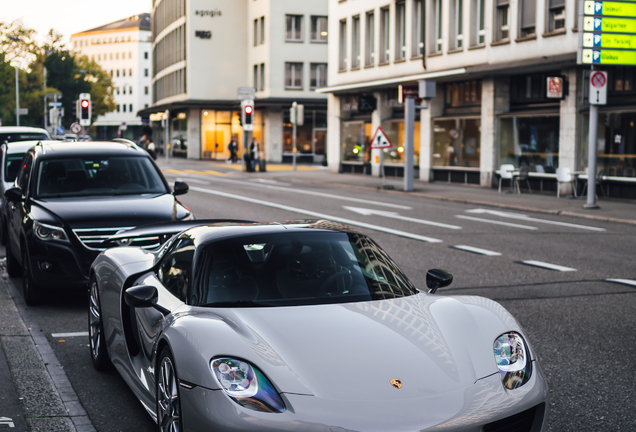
(141, 296)
(13, 194)
(180, 188)
(437, 278)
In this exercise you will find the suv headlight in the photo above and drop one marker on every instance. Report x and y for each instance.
(511, 354)
(246, 385)
(49, 232)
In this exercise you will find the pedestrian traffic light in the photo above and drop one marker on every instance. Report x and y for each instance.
(85, 109)
(247, 115)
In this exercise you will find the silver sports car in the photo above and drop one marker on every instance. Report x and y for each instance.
(305, 326)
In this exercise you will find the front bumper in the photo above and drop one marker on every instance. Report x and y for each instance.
(67, 267)
(466, 410)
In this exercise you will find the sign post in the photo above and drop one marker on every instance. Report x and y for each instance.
(598, 96)
(380, 141)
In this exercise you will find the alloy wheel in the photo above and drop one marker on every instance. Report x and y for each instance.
(168, 398)
(95, 317)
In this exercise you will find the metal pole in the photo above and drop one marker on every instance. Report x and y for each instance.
(591, 155)
(17, 98)
(382, 167)
(45, 95)
(294, 108)
(409, 132)
(166, 146)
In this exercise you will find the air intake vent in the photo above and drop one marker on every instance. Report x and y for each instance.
(521, 422)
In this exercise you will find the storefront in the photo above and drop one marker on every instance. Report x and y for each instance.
(310, 137)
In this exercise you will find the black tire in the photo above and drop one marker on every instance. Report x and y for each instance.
(168, 397)
(97, 344)
(13, 266)
(3, 233)
(32, 294)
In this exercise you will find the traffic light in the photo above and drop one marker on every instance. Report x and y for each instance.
(85, 109)
(247, 115)
(297, 114)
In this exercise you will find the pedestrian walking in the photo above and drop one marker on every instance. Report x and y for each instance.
(254, 154)
(151, 149)
(233, 148)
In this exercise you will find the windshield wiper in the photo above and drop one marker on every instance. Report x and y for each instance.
(239, 303)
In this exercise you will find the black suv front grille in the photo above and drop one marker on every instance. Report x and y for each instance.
(521, 422)
(98, 238)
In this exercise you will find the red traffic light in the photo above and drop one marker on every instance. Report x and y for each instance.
(249, 109)
(85, 103)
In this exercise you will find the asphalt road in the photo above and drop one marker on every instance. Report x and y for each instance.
(580, 325)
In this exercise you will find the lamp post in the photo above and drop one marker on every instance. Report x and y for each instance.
(17, 87)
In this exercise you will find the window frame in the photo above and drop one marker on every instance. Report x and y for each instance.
(342, 45)
(294, 19)
(174, 249)
(292, 67)
(400, 31)
(385, 35)
(502, 21)
(355, 42)
(553, 12)
(526, 30)
(316, 21)
(369, 30)
(418, 43)
(316, 77)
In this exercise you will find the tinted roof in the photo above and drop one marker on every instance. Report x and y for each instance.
(55, 149)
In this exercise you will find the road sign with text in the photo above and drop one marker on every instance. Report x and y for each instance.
(609, 32)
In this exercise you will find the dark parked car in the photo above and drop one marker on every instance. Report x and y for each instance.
(70, 198)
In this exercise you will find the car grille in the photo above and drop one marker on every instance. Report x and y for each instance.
(521, 422)
(98, 238)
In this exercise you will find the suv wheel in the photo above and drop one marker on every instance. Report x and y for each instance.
(29, 289)
(13, 266)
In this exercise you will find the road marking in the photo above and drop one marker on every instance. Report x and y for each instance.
(7, 421)
(306, 192)
(531, 219)
(476, 250)
(623, 281)
(320, 215)
(75, 334)
(394, 215)
(496, 222)
(547, 266)
(271, 182)
(193, 180)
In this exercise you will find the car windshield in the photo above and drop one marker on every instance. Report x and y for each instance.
(23, 136)
(97, 175)
(297, 269)
(12, 166)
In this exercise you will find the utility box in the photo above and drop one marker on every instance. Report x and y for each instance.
(427, 89)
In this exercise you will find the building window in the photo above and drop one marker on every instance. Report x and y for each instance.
(502, 22)
(145, 90)
(123, 90)
(145, 72)
(294, 28)
(130, 108)
(458, 23)
(256, 32)
(130, 53)
(111, 56)
(478, 14)
(294, 76)
(262, 30)
(318, 75)
(146, 56)
(556, 15)
(400, 30)
(417, 47)
(437, 26)
(369, 49)
(118, 108)
(256, 77)
(355, 42)
(262, 76)
(123, 72)
(129, 72)
(342, 55)
(385, 49)
(145, 105)
(116, 56)
(117, 73)
(124, 107)
(130, 90)
(527, 20)
(457, 142)
(319, 30)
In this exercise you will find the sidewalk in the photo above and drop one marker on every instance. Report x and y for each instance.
(611, 210)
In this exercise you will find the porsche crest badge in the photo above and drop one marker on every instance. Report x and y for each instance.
(396, 383)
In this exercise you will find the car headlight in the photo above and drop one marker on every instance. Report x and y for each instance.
(246, 385)
(49, 232)
(511, 354)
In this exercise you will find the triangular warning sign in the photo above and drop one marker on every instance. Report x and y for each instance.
(380, 140)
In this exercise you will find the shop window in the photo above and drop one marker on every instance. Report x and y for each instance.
(342, 38)
(355, 137)
(621, 81)
(369, 52)
(394, 130)
(294, 76)
(457, 142)
(531, 141)
(502, 20)
(463, 94)
(527, 18)
(304, 134)
(400, 30)
(355, 42)
(530, 89)
(319, 32)
(556, 15)
(616, 144)
(294, 30)
(385, 49)
(417, 46)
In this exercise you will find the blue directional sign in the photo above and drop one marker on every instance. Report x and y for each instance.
(60, 130)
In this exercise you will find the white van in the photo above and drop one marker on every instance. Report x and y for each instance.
(22, 133)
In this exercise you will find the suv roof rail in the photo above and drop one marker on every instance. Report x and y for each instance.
(129, 143)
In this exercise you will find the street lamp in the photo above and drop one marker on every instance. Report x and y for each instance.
(17, 87)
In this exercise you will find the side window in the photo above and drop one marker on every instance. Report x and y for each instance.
(25, 173)
(175, 272)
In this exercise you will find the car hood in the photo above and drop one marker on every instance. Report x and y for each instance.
(352, 351)
(113, 211)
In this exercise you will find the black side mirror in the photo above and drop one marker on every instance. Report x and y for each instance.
(437, 278)
(141, 296)
(13, 194)
(180, 188)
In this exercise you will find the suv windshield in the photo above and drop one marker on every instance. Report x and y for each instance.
(13, 163)
(23, 136)
(97, 175)
(297, 269)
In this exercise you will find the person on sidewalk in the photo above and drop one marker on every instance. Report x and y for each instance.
(254, 155)
(233, 148)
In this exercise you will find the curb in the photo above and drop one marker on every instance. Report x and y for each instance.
(49, 402)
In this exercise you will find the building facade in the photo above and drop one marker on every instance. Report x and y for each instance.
(204, 51)
(492, 61)
(123, 49)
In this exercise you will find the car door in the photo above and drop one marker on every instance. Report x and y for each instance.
(17, 210)
(172, 280)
